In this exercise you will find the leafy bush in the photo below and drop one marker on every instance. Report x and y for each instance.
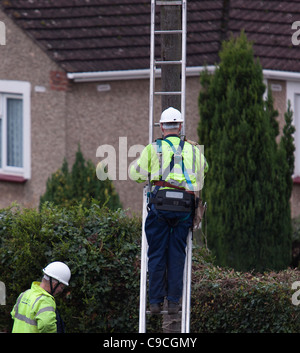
(81, 185)
(101, 248)
(228, 301)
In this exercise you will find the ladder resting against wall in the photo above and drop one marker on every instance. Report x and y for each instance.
(155, 65)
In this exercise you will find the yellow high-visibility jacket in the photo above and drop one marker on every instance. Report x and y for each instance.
(156, 158)
(34, 311)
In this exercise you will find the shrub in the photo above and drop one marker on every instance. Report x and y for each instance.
(101, 248)
(228, 301)
(81, 185)
(248, 187)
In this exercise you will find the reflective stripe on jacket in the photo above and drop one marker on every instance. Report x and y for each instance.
(153, 162)
(34, 311)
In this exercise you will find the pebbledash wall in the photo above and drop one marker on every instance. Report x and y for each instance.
(98, 118)
(64, 113)
(23, 61)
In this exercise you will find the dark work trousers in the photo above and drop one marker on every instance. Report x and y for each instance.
(166, 233)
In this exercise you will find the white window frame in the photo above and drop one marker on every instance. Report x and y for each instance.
(21, 90)
(293, 89)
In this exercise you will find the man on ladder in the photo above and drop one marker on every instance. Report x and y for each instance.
(176, 170)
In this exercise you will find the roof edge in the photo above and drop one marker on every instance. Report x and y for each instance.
(281, 75)
(145, 74)
(128, 74)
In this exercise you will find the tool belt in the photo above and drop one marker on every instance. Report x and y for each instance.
(173, 200)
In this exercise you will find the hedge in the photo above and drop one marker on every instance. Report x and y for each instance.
(227, 301)
(102, 248)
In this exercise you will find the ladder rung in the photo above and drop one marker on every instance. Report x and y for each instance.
(166, 3)
(177, 93)
(168, 62)
(168, 31)
(163, 312)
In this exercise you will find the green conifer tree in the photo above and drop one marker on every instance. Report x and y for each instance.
(81, 185)
(246, 186)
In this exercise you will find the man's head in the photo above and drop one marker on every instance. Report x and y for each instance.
(52, 286)
(56, 276)
(170, 129)
(171, 121)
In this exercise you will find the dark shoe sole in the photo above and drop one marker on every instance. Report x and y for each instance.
(155, 308)
(173, 308)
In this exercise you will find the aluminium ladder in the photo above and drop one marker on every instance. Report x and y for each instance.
(186, 293)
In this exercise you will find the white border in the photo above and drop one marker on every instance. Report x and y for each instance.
(293, 88)
(145, 74)
(21, 88)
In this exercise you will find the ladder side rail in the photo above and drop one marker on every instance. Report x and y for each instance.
(184, 292)
(152, 73)
(144, 262)
(183, 65)
(185, 325)
(189, 282)
(144, 244)
(187, 268)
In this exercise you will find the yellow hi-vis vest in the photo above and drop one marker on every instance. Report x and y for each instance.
(156, 158)
(34, 311)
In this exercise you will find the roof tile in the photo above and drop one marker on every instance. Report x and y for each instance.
(100, 35)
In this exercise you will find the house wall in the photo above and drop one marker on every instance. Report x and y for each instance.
(69, 113)
(98, 118)
(119, 117)
(278, 90)
(293, 92)
(23, 60)
(295, 201)
(279, 93)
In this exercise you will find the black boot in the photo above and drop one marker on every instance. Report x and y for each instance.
(155, 308)
(173, 308)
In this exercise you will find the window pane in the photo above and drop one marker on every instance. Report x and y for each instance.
(14, 132)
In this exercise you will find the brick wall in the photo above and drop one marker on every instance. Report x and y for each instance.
(59, 81)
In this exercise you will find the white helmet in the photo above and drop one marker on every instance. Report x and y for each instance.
(171, 115)
(59, 271)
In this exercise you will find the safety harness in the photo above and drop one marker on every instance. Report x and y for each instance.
(176, 199)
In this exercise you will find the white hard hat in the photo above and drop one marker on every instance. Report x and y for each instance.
(59, 271)
(171, 115)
